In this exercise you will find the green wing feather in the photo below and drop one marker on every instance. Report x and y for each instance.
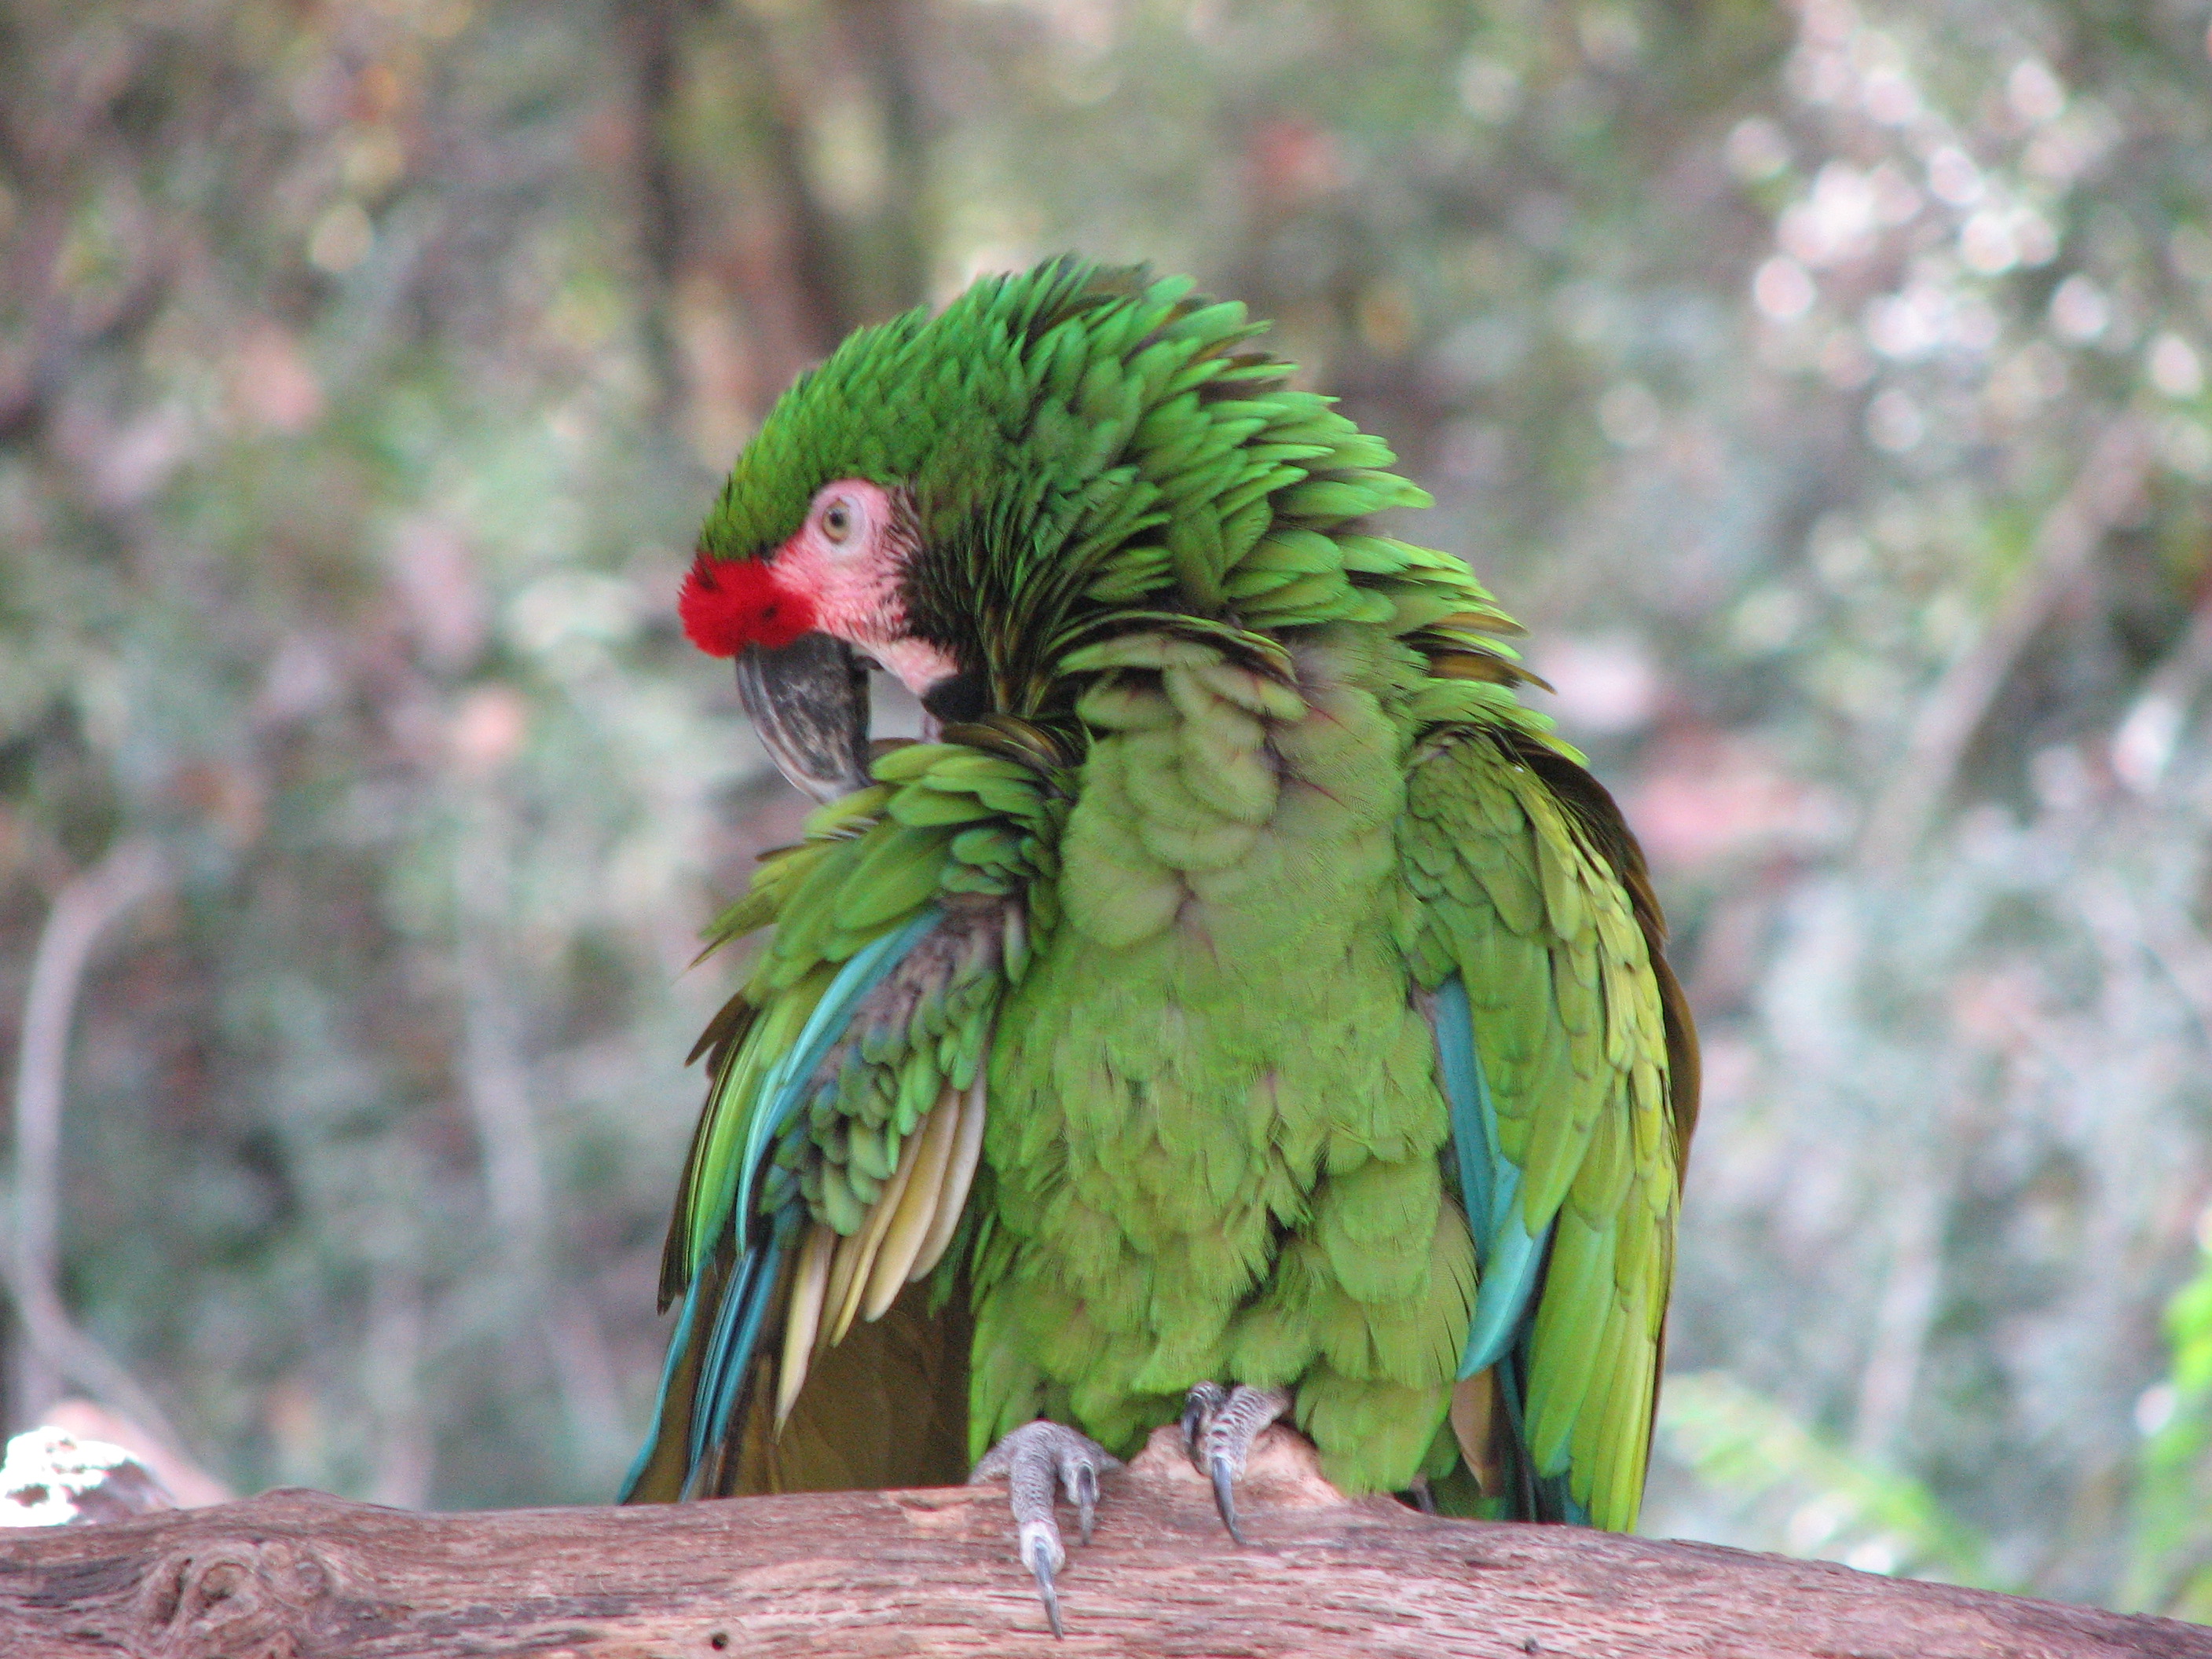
(1534, 901)
(835, 1156)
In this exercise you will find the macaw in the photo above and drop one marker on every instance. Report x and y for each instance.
(1237, 1005)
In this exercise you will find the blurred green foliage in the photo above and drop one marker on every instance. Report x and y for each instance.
(2172, 1566)
(1812, 1498)
(1825, 384)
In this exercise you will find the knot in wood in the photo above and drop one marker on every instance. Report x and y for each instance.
(233, 1599)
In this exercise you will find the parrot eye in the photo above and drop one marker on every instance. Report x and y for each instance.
(837, 520)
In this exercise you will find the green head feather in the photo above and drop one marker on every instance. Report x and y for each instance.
(1088, 448)
(940, 405)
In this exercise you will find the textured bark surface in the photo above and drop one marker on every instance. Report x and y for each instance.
(864, 1574)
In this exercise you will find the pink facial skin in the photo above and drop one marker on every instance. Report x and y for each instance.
(838, 576)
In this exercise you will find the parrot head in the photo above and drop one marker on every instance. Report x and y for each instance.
(805, 620)
(977, 500)
(844, 573)
(930, 501)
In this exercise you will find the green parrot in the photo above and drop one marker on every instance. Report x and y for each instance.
(1236, 1006)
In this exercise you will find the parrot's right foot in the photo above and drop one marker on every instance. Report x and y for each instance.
(1219, 1427)
(1032, 1460)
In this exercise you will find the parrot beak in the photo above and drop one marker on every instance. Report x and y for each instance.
(810, 702)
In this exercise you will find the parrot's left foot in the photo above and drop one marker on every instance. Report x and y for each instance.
(1219, 1427)
(1032, 1460)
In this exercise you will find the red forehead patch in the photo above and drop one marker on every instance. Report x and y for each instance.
(729, 603)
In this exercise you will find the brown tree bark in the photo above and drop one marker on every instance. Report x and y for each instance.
(864, 1574)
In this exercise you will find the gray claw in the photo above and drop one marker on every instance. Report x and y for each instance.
(1042, 1552)
(1224, 1493)
(1203, 1400)
(1086, 1497)
(1219, 1427)
(1031, 1461)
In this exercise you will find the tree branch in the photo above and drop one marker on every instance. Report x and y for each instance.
(649, 30)
(867, 1574)
(1943, 728)
(52, 1346)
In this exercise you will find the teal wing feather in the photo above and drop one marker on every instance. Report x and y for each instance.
(836, 1152)
(1569, 1069)
(1507, 1253)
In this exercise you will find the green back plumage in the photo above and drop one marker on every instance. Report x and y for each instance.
(1199, 1155)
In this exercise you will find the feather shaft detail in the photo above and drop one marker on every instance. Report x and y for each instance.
(917, 1207)
(803, 1317)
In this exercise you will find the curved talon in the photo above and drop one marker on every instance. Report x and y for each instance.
(1224, 1493)
(1200, 1403)
(1085, 1484)
(1219, 1427)
(1032, 1460)
(1041, 1553)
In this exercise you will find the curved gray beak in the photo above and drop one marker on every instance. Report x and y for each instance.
(810, 702)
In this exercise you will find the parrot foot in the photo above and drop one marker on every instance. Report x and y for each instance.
(1031, 1460)
(1219, 1427)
